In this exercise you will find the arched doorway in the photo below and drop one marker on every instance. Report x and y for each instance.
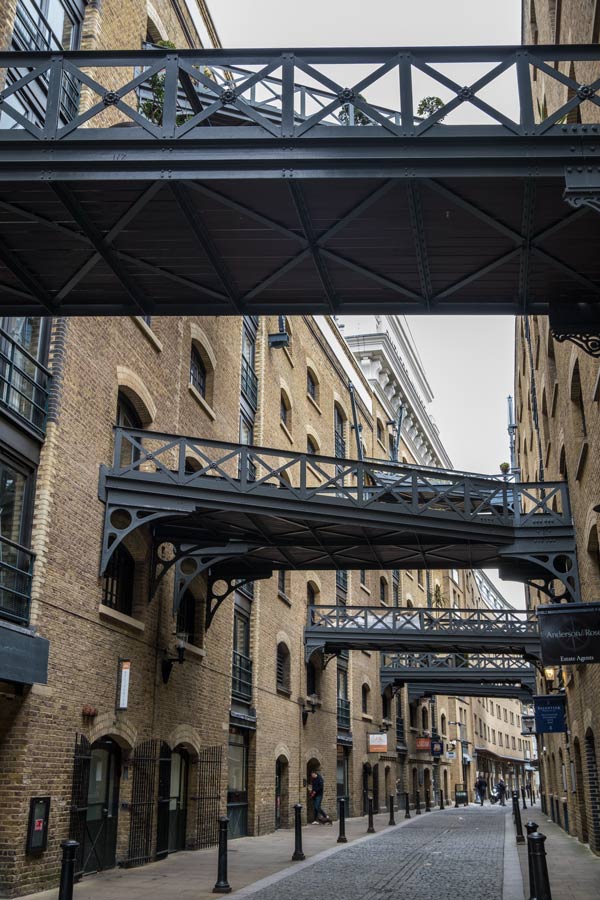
(579, 788)
(100, 840)
(593, 787)
(313, 765)
(282, 802)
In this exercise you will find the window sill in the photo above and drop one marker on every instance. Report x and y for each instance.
(120, 618)
(364, 588)
(315, 404)
(289, 357)
(202, 402)
(366, 717)
(284, 598)
(285, 692)
(148, 333)
(193, 650)
(287, 433)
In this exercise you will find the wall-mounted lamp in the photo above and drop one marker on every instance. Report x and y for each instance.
(309, 707)
(549, 676)
(167, 662)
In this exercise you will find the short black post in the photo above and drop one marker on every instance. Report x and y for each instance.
(441, 798)
(540, 867)
(342, 839)
(418, 803)
(532, 797)
(298, 854)
(67, 869)
(517, 816)
(371, 828)
(222, 886)
(531, 828)
(455, 799)
(523, 795)
(391, 805)
(406, 807)
(427, 802)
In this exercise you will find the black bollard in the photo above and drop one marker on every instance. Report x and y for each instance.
(540, 868)
(406, 807)
(222, 886)
(441, 798)
(391, 805)
(532, 797)
(67, 869)
(418, 803)
(371, 828)
(523, 797)
(427, 802)
(517, 818)
(298, 854)
(342, 839)
(531, 828)
(455, 799)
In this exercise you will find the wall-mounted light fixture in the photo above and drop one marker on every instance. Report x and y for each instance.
(310, 706)
(280, 338)
(167, 662)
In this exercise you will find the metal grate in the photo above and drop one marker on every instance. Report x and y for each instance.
(143, 790)
(79, 797)
(164, 801)
(208, 797)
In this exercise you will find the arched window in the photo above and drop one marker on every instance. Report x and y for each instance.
(365, 691)
(283, 668)
(285, 411)
(312, 593)
(339, 429)
(311, 445)
(283, 582)
(186, 618)
(313, 677)
(119, 582)
(127, 417)
(380, 432)
(443, 724)
(424, 719)
(383, 590)
(197, 371)
(312, 385)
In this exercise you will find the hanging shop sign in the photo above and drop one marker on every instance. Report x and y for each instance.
(377, 742)
(450, 754)
(437, 748)
(550, 714)
(569, 633)
(423, 743)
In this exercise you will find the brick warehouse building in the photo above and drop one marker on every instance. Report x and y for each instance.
(558, 397)
(238, 726)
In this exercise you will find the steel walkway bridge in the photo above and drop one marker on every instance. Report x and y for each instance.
(457, 689)
(301, 181)
(241, 512)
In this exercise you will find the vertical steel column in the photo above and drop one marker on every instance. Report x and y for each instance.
(67, 869)
(222, 886)
(342, 839)
(531, 828)
(298, 854)
(391, 805)
(371, 828)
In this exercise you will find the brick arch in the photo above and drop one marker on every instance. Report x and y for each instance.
(122, 732)
(137, 393)
(187, 736)
(283, 750)
(282, 638)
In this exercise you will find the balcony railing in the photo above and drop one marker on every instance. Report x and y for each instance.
(400, 735)
(23, 384)
(249, 383)
(16, 572)
(343, 713)
(241, 677)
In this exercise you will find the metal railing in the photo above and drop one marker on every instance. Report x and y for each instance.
(400, 733)
(249, 383)
(23, 383)
(414, 491)
(353, 619)
(457, 662)
(307, 101)
(16, 573)
(241, 677)
(343, 713)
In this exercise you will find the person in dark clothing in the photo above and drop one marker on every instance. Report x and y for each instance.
(501, 790)
(316, 793)
(481, 787)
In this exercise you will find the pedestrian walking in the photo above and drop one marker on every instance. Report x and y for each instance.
(316, 794)
(501, 791)
(528, 789)
(481, 788)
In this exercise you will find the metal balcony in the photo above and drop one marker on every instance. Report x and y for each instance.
(16, 573)
(463, 668)
(241, 677)
(269, 137)
(23, 385)
(234, 497)
(331, 628)
(343, 714)
(459, 689)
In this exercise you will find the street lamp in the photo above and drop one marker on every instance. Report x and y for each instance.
(167, 662)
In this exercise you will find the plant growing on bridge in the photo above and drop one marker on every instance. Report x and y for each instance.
(359, 116)
(428, 106)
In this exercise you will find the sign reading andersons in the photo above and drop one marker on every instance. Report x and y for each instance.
(569, 633)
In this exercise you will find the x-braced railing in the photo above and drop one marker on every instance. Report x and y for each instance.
(408, 619)
(300, 93)
(486, 663)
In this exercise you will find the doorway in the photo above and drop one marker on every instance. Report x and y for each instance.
(282, 804)
(178, 800)
(100, 841)
(237, 787)
(313, 765)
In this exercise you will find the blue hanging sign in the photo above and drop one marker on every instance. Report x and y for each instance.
(437, 748)
(550, 715)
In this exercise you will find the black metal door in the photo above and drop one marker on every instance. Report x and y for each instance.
(143, 800)
(208, 796)
(164, 799)
(100, 843)
(79, 795)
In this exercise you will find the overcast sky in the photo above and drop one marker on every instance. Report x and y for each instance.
(468, 360)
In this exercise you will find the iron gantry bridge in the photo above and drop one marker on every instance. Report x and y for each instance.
(301, 181)
(237, 513)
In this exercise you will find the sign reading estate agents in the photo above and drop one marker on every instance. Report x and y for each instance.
(569, 633)
(550, 714)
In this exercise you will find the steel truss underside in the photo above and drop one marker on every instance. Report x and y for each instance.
(437, 688)
(398, 242)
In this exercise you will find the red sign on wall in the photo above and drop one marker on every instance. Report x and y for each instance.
(424, 744)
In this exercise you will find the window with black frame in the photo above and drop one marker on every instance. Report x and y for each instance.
(16, 559)
(197, 371)
(283, 668)
(119, 582)
(186, 618)
(127, 417)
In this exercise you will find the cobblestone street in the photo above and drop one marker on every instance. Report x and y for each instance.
(455, 853)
